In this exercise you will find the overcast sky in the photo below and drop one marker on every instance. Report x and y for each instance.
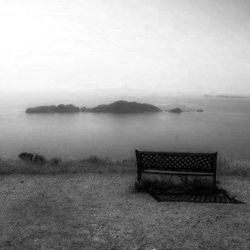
(109, 47)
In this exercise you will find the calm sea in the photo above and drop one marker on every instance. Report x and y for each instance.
(224, 126)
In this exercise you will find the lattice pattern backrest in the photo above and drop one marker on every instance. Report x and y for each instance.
(178, 162)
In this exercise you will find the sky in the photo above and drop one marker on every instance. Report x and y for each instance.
(88, 49)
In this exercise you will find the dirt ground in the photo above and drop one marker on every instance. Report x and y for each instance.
(100, 211)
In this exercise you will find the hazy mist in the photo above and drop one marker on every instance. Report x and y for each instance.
(91, 50)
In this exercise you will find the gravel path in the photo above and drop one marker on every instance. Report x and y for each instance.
(100, 211)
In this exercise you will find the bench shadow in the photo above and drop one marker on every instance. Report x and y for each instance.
(185, 189)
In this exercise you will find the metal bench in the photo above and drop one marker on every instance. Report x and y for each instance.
(181, 164)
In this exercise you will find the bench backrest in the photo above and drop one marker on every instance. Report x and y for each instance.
(183, 162)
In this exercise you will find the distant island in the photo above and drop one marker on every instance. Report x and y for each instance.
(232, 96)
(176, 110)
(199, 110)
(228, 96)
(123, 107)
(53, 109)
(179, 110)
(115, 107)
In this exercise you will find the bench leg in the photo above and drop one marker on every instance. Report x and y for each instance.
(215, 180)
(139, 176)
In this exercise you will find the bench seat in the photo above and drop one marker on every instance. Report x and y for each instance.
(154, 171)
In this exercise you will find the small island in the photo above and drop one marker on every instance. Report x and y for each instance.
(53, 109)
(227, 96)
(115, 107)
(232, 96)
(199, 110)
(180, 110)
(176, 110)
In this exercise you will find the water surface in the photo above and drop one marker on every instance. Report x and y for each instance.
(224, 126)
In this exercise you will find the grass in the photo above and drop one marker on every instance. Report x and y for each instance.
(95, 164)
(92, 164)
(230, 167)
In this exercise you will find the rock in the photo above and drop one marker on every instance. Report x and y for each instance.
(94, 160)
(199, 110)
(55, 161)
(27, 157)
(39, 159)
(32, 158)
(176, 110)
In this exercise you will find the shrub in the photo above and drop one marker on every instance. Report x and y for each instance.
(231, 167)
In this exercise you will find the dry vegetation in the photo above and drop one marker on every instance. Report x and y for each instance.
(95, 164)
(92, 164)
(229, 167)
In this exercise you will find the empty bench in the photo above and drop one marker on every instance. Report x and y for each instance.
(181, 164)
